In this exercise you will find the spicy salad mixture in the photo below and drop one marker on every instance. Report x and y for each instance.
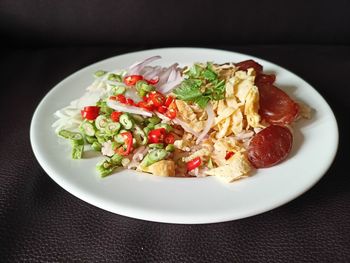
(205, 119)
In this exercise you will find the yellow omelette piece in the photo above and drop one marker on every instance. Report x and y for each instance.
(237, 167)
(161, 168)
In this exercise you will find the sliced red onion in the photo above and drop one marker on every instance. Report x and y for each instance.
(164, 75)
(126, 108)
(185, 126)
(132, 94)
(164, 118)
(210, 121)
(151, 72)
(168, 87)
(135, 68)
(139, 153)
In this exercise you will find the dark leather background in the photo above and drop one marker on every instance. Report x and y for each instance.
(46, 41)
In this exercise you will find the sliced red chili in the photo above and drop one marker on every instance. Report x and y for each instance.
(145, 98)
(162, 109)
(229, 155)
(132, 79)
(145, 105)
(121, 98)
(157, 135)
(130, 102)
(115, 116)
(168, 101)
(169, 138)
(126, 149)
(171, 114)
(153, 81)
(157, 98)
(193, 164)
(90, 112)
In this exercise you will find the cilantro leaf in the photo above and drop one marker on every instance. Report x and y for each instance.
(209, 74)
(188, 90)
(202, 101)
(195, 71)
(201, 86)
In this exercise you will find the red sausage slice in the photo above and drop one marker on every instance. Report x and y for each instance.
(244, 65)
(270, 146)
(276, 107)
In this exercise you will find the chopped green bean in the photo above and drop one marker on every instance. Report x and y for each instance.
(90, 139)
(153, 157)
(77, 139)
(77, 151)
(140, 136)
(112, 128)
(117, 159)
(126, 121)
(119, 138)
(164, 125)
(151, 126)
(170, 148)
(156, 145)
(119, 90)
(154, 120)
(114, 77)
(101, 122)
(100, 73)
(147, 130)
(87, 128)
(96, 146)
(65, 134)
(138, 119)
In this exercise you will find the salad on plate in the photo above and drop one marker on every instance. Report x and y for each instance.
(205, 119)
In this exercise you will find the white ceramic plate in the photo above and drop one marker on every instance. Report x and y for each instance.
(187, 200)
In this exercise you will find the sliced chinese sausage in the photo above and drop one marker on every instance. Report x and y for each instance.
(261, 79)
(270, 146)
(276, 107)
(245, 65)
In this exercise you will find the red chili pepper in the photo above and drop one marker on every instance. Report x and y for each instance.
(128, 144)
(171, 114)
(132, 79)
(168, 101)
(145, 98)
(169, 138)
(162, 109)
(172, 110)
(157, 98)
(229, 155)
(153, 81)
(115, 116)
(145, 105)
(130, 102)
(121, 98)
(157, 135)
(90, 112)
(193, 164)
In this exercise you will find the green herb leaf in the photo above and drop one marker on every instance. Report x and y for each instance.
(209, 74)
(202, 101)
(188, 90)
(195, 71)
